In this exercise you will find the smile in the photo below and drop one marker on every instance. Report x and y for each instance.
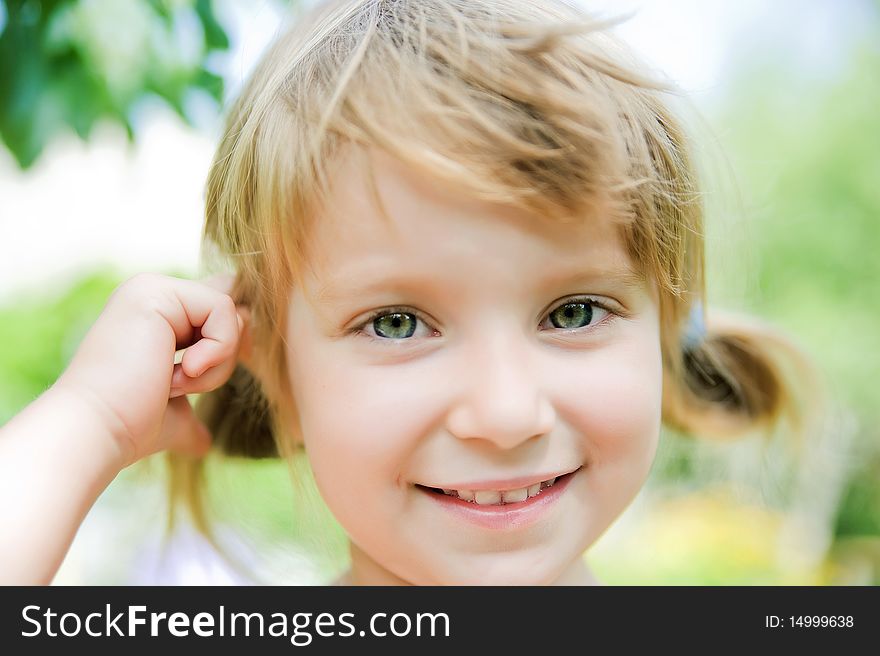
(499, 497)
(501, 508)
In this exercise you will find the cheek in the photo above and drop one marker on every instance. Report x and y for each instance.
(360, 423)
(618, 427)
(616, 413)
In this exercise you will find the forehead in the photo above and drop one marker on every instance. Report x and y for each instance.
(428, 225)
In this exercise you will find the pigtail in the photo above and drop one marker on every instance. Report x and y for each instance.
(237, 416)
(738, 375)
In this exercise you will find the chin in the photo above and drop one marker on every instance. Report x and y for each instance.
(502, 579)
(515, 572)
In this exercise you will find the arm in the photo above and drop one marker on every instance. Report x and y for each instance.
(122, 398)
(54, 463)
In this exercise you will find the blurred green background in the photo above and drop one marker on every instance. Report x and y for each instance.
(791, 148)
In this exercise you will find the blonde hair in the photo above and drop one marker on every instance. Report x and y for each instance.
(530, 103)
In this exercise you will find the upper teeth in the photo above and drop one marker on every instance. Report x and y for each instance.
(497, 497)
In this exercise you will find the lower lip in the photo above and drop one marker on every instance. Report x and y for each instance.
(503, 516)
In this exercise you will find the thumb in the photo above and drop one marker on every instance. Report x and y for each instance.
(182, 432)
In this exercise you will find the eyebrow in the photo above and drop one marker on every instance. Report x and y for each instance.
(355, 284)
(623, 277)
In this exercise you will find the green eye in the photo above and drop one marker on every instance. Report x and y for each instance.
(572, 315)
(396, 325)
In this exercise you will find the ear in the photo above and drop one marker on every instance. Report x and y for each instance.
(226, 284)
(245, 339)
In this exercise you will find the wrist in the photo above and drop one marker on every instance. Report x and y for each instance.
(102, 438)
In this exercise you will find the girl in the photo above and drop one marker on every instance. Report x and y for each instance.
(467, 244)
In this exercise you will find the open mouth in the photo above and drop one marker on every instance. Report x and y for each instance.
(501, 497)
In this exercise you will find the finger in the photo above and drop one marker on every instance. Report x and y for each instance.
(211, 379)
(219, 338)
(218, 372)
(225, 283)
(182, 432)
(208, 354)
(185, 306)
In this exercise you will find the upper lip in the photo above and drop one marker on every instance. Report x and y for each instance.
(505, 483)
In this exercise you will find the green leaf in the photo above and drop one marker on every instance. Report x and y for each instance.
(50, 78)
(211, 83)
(215, 35)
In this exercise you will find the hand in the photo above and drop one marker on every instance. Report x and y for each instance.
(124, 369)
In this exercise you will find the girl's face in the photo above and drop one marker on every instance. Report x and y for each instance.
(468, 346)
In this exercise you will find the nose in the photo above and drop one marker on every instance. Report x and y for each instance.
(501, 398)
